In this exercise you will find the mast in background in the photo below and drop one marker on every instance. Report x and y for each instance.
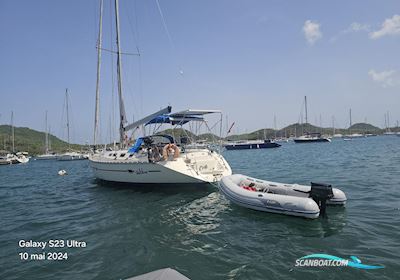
(46, 144)
(305, 105)
(49, 139)
(12, 131)
(350, 118)
(66, 101)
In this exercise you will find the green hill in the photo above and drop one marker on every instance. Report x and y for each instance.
(299, 129)
(31, 141)
(364, 127)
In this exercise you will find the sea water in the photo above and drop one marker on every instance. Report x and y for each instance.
(128, 231)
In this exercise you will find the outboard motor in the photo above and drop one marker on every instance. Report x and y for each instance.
(320, 193)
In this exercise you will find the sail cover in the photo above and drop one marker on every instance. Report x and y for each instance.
(136, 146)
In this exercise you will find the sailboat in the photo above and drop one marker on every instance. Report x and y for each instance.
(156, 158)
(47, 155)
(310, 137)
(69, 155)
(14, 157)
(251, 144)
(351, 136)
(387, 124)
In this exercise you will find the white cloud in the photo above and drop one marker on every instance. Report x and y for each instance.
(312, 31)
(356, 27)
(386, 78)
(391, 26)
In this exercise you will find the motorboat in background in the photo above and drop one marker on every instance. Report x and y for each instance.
(6, 159)
(246, 145)
(311, 137)
(279, 198)
(15, 158)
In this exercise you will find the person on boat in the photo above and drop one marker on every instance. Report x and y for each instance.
(154, 154)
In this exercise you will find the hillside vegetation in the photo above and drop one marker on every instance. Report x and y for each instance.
(31, 141)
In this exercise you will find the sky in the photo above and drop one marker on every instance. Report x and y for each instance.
(252, 59)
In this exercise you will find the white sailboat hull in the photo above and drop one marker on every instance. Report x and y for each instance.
(71, 156)
(46, 157)
(192, 168)
(14, 159)
(140, 173)
(22, 159)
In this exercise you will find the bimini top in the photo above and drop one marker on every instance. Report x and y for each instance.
(180, 118)
(192, 112)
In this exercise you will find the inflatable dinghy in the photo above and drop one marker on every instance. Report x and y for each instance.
(288, 199)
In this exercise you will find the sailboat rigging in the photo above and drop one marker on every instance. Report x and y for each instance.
(47, 155)
(309, 137)
(157, 158)
(69, 155)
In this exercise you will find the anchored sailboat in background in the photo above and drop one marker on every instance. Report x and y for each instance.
(47, 155)
(310, 137)
(69, 155)
(157, 158)
(13, 158)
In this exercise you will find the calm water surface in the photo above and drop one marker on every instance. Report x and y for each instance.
(130, 231)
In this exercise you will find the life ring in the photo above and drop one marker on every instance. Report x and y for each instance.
(168, 149)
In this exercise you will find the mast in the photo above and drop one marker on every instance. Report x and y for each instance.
(350, 118)
(12, 131)
(49, 143)
(66, 101)
(305, 105)
(97, 106)
(46, 145)
(275, 126)
(122, 113)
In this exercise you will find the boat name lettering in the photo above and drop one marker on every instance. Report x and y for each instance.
(138, 171)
